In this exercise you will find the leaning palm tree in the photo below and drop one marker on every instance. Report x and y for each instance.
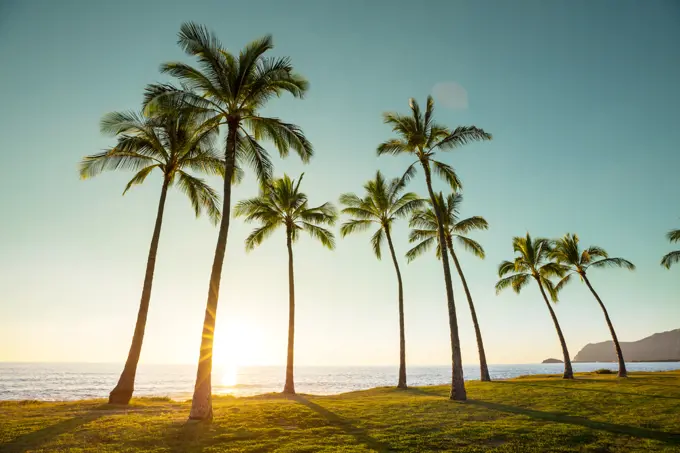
(281, 204)
(173, 143)
(381, 206)
(231, 90)
(532, 262)
(672, 257)
(567, 252)
(425, 232)
(421, 137)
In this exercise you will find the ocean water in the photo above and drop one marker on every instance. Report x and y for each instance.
(70, 381)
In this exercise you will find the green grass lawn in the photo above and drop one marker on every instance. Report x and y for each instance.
(594, 413)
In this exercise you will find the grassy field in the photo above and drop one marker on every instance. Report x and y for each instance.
(594, 413)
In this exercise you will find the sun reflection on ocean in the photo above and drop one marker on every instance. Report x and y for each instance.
(228, 375)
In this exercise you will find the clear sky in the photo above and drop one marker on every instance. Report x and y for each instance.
(581, 97)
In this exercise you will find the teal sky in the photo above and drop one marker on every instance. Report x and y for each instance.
(581, 97)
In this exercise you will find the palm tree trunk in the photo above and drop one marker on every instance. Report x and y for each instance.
(457, 378)
(568, 372)
(483, 367)
(617, 346)
(289, 387)
(201, 403)
(122, 392)
(402, 338)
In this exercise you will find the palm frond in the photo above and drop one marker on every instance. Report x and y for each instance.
(351, 200)
(258, 235)
(394, 146)
(448, 174)
(113, 159)
(354, 226)
(552, 291)
(258, 209)
(325, 214)
(284, 135)
(359, 213)
(201, 195)
(462, 135)
(376, 242)
(673, 236)
(321, 234)
(417, 234)
(671, 258)
(421, 248)
(506, 267)
(139, 177)
(613, 262)
(563, 282)
(516, 282)
(249, 152)
(116, 123)
(406, 205)
(470, 224)
(471, 246)
(206, 163)
(553, 269)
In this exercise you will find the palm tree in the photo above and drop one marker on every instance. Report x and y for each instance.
(172, 143)
(566, 252)
(231, 90)
(532, 262)
(425, 230)
(382, 205)
(672, 257)
(421, 137)
(282, 204)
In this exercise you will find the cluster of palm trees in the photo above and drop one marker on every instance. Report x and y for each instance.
(176, 132)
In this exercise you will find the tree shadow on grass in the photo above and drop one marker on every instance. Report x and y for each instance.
(33, 440)
(663, 436)
(339, 422)
(576, 387)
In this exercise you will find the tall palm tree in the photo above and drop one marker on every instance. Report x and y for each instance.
(532, 262)
(231, 90)
(672, 257)
(173, 143)
(381, 206)
(567, 252)
(425, 232)
(421, 137)
(281, 204)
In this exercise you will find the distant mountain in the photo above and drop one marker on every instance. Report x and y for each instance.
(660, 347)
(552, 361)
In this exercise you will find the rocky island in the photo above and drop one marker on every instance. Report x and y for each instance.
(660, 347)
(552, 361)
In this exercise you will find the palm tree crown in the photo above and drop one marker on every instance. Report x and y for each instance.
(170, 142)
(382, 204)
(566, 251)
(281, 203)
(420, 136)
(672, 257)
(230, 89)
(424, 224)
(532, 261)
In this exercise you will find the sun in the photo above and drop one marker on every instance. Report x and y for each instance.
(238, 343)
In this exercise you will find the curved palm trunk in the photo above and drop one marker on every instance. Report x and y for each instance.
(201, 403)
(289, 387)
(122, 392)
(568, 372)
(617, 346)
(483, 367)
(457, 378)
(402, 337)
